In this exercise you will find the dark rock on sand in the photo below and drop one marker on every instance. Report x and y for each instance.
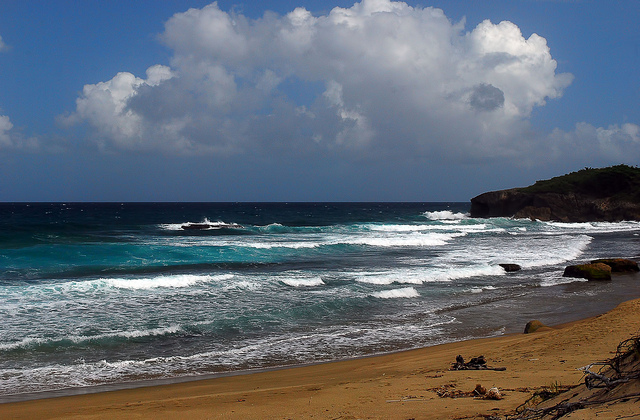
(597, 271)
(619, 265)
(533, 326)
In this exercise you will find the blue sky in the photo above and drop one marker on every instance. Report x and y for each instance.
(311, 101)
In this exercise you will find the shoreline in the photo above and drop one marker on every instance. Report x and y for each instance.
(628, 279)
(402, 383)
(145, 383)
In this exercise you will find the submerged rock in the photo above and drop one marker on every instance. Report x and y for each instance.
(597, 271)
(509, 268)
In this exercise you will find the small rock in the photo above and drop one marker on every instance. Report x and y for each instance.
(509, 268)
(533, 326)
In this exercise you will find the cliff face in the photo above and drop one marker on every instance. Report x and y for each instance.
(609, 194)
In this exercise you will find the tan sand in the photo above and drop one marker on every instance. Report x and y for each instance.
(395, 386)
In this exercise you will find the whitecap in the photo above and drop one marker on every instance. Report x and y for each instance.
(29, 342)
(480, 227)
(206, 224)
(175, 281)
(445, 215)
(302, 282)
(528, 251)
(425, 275)
(481, 289)
(272, 245)
(405, 292)
(448, 274)
(384, 278)
(595, 227)
(411, 240)
(555, 279)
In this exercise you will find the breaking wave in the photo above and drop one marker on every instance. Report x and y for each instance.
(405, 292)
(175, 281)
(445, 215)
(302, 282)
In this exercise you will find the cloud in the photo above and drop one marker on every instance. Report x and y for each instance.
(486, 97)
(5, 129)
(104, 106)
(380, 78)
(586, 143)
(10, 139)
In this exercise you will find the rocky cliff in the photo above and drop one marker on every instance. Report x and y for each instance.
(606, 194)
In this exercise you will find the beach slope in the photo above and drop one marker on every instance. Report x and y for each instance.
(404, 385)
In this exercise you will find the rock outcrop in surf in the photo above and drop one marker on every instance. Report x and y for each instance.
(589, 195)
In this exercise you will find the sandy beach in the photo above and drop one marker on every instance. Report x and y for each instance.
(403, 385)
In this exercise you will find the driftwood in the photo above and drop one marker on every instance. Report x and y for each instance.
(620, 369)
(479, 392)
(476, 363)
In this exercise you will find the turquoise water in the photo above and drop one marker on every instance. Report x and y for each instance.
(96, 294)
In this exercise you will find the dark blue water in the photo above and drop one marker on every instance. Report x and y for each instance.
(106, 293)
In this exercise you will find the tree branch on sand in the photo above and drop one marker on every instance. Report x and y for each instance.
(617, 380)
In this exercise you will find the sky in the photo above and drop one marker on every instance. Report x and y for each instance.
(306, 100)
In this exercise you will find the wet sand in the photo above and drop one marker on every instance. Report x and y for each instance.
(401, 385)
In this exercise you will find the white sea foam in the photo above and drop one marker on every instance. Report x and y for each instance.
(400, 228)
(455, 273)
(272, 227)
(395, 228)
(35, 341)
(175, 281)
(205, 224)
(526, 250)
(543, 253)
(405, 292)
(427, 274)
(242, 285)
(594, 227)
(445, 215)
(284, 244)
(481, 289)
(410, 240)
(555, 278)
(389, 277)
(25, 342)
(302, 281)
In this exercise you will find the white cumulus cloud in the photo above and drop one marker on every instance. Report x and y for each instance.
(104, 106)
(380, 77)
(10, 139)
(614, 144)
(5, 129)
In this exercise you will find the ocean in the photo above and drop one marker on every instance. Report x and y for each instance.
(109, 294)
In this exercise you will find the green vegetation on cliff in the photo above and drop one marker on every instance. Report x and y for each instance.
(589, 195)
(619, 182)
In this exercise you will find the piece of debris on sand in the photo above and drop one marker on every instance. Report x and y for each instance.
(614, 386)
(476, 363)
(479, 392)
